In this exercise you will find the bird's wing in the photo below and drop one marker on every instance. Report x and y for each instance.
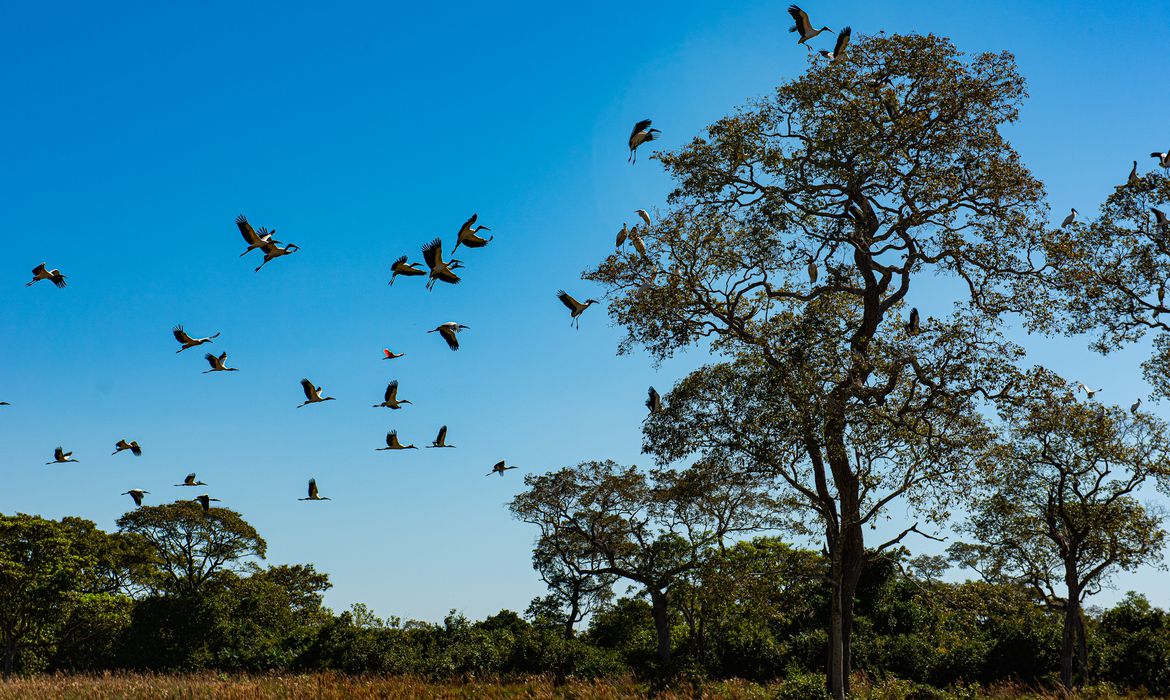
(640, 126)
(312, 488)
(842, 42)
(59, 454)
(466, 227)
(391, 391)
(449, 277)
(570, 303)
(442, 435)
(39, 270)
(246, 230)
(181, 335)
(308, 387)
(803, 26)
(210, 359)
(122, 445)
(433, 253)
(498, 466)
(449, 336)
(399, 261)
(189, 479)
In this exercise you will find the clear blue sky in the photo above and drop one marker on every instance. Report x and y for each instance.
(135, 132)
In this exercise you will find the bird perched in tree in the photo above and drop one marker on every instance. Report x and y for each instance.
(189, 480)
(313, 495)
(40, 273)
(312, 393)
(205, 501)
(1072, 216)
(401, 267)
(653, 400)
(1163, 159)
(1133, 178)
(1089, 393)
(912, 325)
(802, 26)
(575, 307)
(1135, 406)
(122, 445)
(387, 355)
(391, 398)
(644, 215)
(636, 241)
(255, 241)
(60, 456)
(444, 271)
(813, 272)
(1160, 219)
(450, 331)
(217, 363)
(838, 52)
(621, 235)
(187, 341)
(441, 439)
(499, 468)
(642, 133)
(273, 251)
(468, 235)
(137, 495)
(392, 443)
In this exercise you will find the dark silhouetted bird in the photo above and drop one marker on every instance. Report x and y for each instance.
(401, 267)
(137, 495)
(391, 398)
(392, 443)
(642, 133)
(313, 495)
(499, 468)
(468, 235)
(653, 400)
(187, 341)
(441, 440)
(189, 480)
(205, 501)
(450, 331)
(440, 271)
(312, 393)
(60, 456)
(575, 307)
(839, 50)
(122, 445)
(40, 273)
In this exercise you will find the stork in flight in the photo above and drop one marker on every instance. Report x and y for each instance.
(1163, 159)
(255, 241)
(499, 468)
(313, 393)
(441, 439)
(387, 355)
(391, 399)
(392, 443)
(653, 400)
(640, 134)
(468, 235)
(60, 456)
(575, 307)
(187, 341)
(217, 363)
(444, 271)
(401, 267)
(136, 494)
(40, 273)
(313, 495)
(272, 251)
(450, 331)
(838, 52)
(1160, 218)
(802, 26)
(205, 501)
(189, 480)
(122, 445)
(1089, 393)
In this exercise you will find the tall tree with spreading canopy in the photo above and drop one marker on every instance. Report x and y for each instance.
(876, 171)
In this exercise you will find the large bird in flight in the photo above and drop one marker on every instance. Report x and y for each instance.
(40, 273)
(187, 341)
(440, 271)
(312, 393)
(450, 332)
(468, 235)
(641, 134)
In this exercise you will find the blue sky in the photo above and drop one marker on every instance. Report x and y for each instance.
(135, 133)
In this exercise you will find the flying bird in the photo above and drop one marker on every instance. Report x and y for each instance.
(136, 494)
(644, 215)
(450, 331)
(441, 440)
(499, 468)
(217, 363)
(401, 267)
(641, 134)
(60, 456)
(40, 273)
(4, 403)
(391, 399)
(312, 393)
(393, 444)
(838, 52)
(1089, 393)
(272, 251)
(1163, 159)
(468, 235)
(187, 341)
(189, 480)
(205, 501)
(440, 271)
(387, 355)
(802, 26)
(1160, 218)
(621, 235)
(1072, 216)
(653, 400)
(255, 241)
(122, 446)
(575, 307)
(313, 495)
(912, 325)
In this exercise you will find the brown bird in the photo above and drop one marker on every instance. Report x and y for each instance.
(440, 271)
(575, 307)
(802, 26)
(60, 456)
(912, 325)
(254, 240)
(621, 235)
(122, 446)
(499, 468)
(467, 235)
(217, 363)
(393, 444)
(441, 440)
(272, 251)
(391, 398)
(136, 494)
(189, 480)
(313, 393)
(449, 331)
(401, 267)
(187, 341)
(205, 501)
(641, 133)
(40, 273)
(313, 495)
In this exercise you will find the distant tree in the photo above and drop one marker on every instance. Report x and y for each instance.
(573, 595)
(1061, 512)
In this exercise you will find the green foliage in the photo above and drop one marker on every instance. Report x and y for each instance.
(1134, 646)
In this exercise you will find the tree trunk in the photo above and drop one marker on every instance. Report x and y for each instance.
(9, 655)
(661, 623)
(1068, 645)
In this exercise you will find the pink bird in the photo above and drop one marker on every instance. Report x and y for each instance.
(391, 355)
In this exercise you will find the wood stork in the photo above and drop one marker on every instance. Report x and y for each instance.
(813, 272)
(387, 355)
(653, 400)
(122, 445)
(136, 494)
(467, 235)
(838, 52)
(272, 251)
(644, 215)
(912, 324)
(637, 242)
(391, 399)
(1135, 406)
(1163, 159)
(621, 235)
(641, 134)
(1089, 393)
(255, 241)
(189, 480)
(60, 456)
(401, 267)
(40, 273)
(205, 501)
(187, 341)
(312, 393)
(1160, 218)
(313, 494)
(392, 443)
(441, 439)
(217, 363)
(1133, 178)
(499, 468)
(802, 26)
(450, 331)
(444, 271)
(575, 307)
(1072, 216)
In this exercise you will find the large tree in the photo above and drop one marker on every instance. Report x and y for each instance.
(872, 172)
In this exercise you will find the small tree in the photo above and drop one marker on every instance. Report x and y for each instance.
(573, 595)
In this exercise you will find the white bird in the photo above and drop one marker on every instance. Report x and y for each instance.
(1163, 159)
(440, 271)
(122, 445)
(313, 495)
(40, 273)
(387, 355)
(60, 456)
(392, 443)
(273, 251)
(802, 26)
(391, 398)
(641, 134)
(255, 240)
(637, 242)
(839, 49)
(450, 331)
(441, 439)
(205, 501)
(312, 393)
(467, 235)
(644, 215)
(653, 400)
(575, 307)
(499, 468)
(217, 363)
(1072, 216)
(621, 235)
(1089, 393)
(1135, 406)
(136, 494)
(187, 341)
(1160, 218)
(189, 480)
(401, 267)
